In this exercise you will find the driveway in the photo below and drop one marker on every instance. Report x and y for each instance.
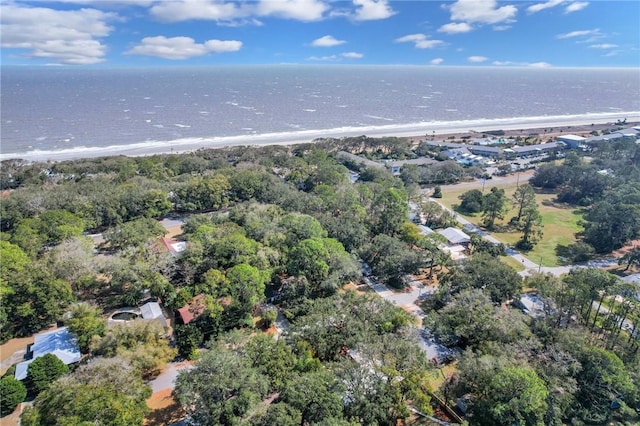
(167, 379)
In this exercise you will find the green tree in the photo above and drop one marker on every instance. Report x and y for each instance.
(515, 395)
(391, 259)
(324, 263)
(389, 211)
(36, 299)
(73, 260)
(85, 322)
(142, 343)
(272, 358)
(495, 206)
(471, 319)
(614, 220)
(281, 414)
(221, 389)
(482, 271)
(437, 192)
(202, 193)
(317, 395)
(246, 285)
(104, 392)
(58, 225)
(530, 224)
(630, 258)
(45, 370)
(188, 339)
(12, 393)
(524, 198)
(472, 201)
(133, 233)
(480, 245)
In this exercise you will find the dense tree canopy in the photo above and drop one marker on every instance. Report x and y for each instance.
(103, 392)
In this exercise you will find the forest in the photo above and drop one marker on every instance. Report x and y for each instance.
(281, 234)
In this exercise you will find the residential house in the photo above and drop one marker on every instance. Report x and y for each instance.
(191, 310)
(59, 342)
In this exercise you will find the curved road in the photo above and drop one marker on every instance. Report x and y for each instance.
(529, 265)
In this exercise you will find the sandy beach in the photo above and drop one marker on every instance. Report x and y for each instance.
(579, 124)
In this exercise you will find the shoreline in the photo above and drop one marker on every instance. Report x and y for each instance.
(580, 124)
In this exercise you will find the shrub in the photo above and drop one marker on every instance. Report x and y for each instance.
(45, 370)
(12, 393)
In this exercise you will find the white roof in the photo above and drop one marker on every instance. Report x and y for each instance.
(151, 310)
(59, 342)
(455, 236)
(425, 230)
(570, 138)
(179, 246)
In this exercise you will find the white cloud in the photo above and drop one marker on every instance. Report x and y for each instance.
(323, 58)
(177, 48)
(96, 3)
(436, 61)
(575, 7)
(371, 10)
(477, 59)
(603, 46)
(331, 58)
(580, 33)
(485, 12)
(327, 41)
(67, 36)
(420, 41)
(521, 64)
(184, 10)
(546, 5)
(455, 28)
(501, 27)
(301, 10)
(539, 65)
(245, 13)
(352, 55)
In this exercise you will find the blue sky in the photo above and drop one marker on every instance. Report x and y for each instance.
(153, 33)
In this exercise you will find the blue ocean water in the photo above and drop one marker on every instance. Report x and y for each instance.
(49, 110)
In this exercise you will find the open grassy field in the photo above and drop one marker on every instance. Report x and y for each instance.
(560, 222)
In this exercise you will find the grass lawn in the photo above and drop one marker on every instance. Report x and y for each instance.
(512, 262)
(560, 223)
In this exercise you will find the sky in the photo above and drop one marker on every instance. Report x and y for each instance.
(156, 33)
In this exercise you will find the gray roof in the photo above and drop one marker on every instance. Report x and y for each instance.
(445, 144)
(455, 236)
(573, 138)
(358, 159)
(539, 147)
(60, 342)
(151, 310)
(479, 148)
(419, 161)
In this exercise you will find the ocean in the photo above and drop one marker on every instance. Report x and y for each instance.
(66, 112)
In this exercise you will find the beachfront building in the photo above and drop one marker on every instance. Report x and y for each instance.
(572, 141)
(629, 134)
(536, 150)
(486, 151)
(396, 166)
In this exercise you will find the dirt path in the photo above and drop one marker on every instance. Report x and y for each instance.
(13, 351)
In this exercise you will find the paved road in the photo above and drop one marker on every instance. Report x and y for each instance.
(466, 224)
(167, 379)
(407, 301)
